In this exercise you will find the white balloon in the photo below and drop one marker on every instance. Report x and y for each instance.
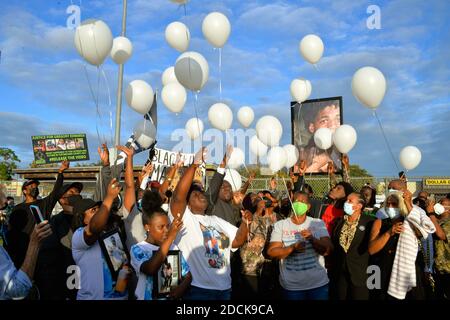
(292, 155)
(174, 96)
(93, 41)
(323, 138)
(257, 147)
(194, 128)
(220, 116)
(216, 29)
(234, 178)
(300, 90)
(369, 86)
(122, 50)
(145, 133)
(237, 159)
(311, 48)
(410, 157)
(192, 70)
(139, 95)
(178, 36)
(245, 116)
(276, 158)
(344, 138)
(269, 130)
(169, 76)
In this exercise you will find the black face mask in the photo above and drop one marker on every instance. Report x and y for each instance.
(34, 192)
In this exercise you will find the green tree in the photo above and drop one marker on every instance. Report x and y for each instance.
(357, 171)
(8, 159)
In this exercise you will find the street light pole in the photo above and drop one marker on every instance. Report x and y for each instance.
(120, 81)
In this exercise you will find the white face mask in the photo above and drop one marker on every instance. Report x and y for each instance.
(439, 209)
(393, 212)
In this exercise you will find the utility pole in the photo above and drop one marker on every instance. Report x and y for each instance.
(120, 81)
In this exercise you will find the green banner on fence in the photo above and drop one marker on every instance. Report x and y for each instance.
(60, 147)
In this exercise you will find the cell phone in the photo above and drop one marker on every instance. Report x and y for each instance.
(37, 214)
(268, 202)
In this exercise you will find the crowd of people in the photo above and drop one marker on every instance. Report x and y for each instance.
(228, 245)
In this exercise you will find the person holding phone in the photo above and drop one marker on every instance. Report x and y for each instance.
(30, 190)
(16, 283)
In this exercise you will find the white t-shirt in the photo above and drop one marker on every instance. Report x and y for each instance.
(140, 253)
(134, 226)
(206, 243)
(300, 270)
(96, 282)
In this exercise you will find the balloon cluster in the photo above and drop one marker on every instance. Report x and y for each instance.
(94, 42)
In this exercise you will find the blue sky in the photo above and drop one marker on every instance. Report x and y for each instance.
(44, 88)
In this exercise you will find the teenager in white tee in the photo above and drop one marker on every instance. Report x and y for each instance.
(299, 241)
(148, 256)
(206, 241)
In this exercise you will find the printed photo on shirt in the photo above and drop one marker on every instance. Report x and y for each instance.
(215, 243)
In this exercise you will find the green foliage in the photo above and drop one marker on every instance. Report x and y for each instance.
(8, 159)
(357, 171)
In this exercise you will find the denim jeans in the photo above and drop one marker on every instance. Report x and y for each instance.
(196, 293)
(320, 293)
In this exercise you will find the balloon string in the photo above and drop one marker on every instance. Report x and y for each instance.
(385, 139)
(197, 119)
(316, 67)
(289, 196)
(220, 74)
(109, 105)
(298, 123)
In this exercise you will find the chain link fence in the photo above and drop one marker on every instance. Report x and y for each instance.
(320, 185)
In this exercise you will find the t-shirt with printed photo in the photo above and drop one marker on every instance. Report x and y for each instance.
(301, 270)
(206, 243)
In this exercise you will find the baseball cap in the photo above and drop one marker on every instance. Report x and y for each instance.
(82, 205)
(67, 186)
(28, 182)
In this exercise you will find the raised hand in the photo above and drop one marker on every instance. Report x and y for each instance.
(227, 156)
(175, 227)
(238, 197)
(330, 168)
(302, 167)
(147, 170)
(179, 162)
(407, 196)
(114, 189)
(247, 216)
(64, 166)
(345, 161)
(40, 232)
(200, 156)
(397, 228)
(128, 151)
(104, 154)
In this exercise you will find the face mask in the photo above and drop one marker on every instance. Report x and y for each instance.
(300, 208)
(393, 212)
(439, 209)
(348, 208)
(34, 192)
